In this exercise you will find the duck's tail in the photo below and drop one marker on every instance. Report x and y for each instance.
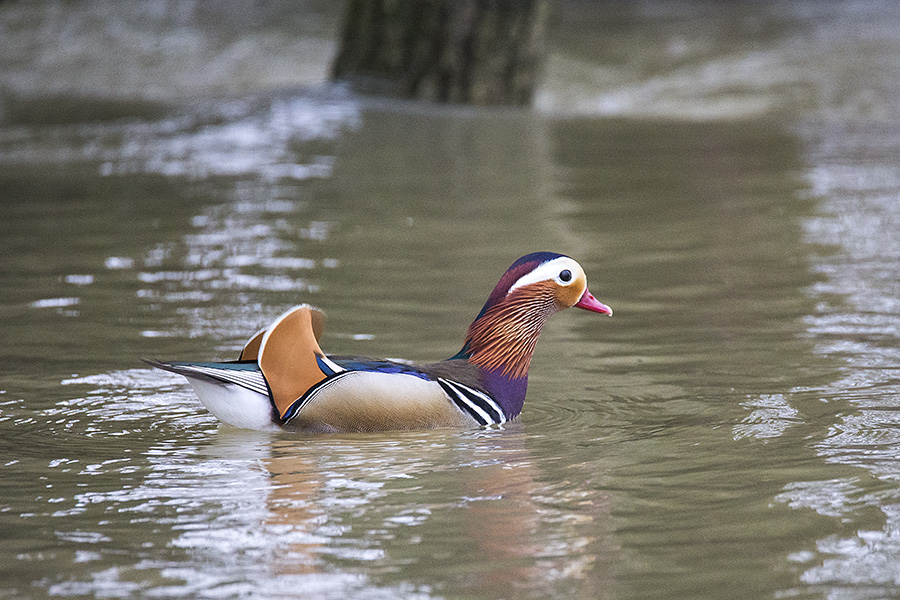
(279, 363)
(236, 393)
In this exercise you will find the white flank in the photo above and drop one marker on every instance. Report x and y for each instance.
(397, 390)
(399, 399)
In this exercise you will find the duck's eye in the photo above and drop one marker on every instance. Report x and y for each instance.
(565, 276)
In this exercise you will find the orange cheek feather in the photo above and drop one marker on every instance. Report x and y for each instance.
(567, 296)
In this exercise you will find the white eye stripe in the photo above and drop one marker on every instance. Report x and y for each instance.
(550, 270)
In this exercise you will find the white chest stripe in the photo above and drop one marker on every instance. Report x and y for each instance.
(477, 404)
(331, 364)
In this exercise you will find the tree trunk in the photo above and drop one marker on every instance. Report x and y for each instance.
(461, 51)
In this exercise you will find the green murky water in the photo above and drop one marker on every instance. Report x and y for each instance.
(729, 178)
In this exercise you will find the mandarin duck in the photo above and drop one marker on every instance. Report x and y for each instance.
(283, 380)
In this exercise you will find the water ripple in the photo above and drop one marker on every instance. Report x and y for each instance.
(771, 415)
(857, 324)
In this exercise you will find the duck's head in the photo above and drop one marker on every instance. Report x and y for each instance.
(548, 278)
(503, 336)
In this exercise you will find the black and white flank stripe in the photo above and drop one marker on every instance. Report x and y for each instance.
(475, 403)
(252, 380)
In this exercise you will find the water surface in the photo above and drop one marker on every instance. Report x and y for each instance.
(726, 176)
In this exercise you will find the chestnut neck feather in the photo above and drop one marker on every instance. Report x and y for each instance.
(502, 338)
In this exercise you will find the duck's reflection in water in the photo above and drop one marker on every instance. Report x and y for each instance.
(465, 510)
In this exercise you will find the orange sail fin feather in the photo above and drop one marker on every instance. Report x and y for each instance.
(251, 348)
(289, 355)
